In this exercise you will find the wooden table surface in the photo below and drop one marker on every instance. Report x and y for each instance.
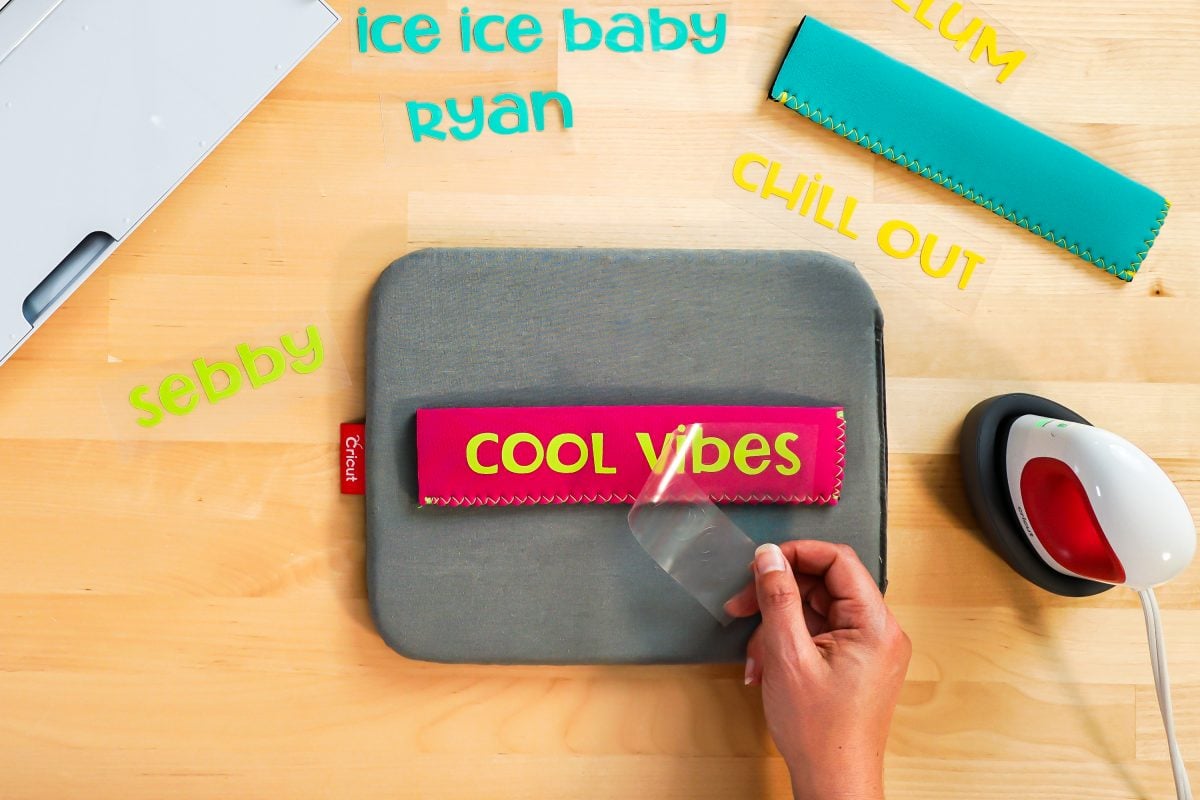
(183, 614)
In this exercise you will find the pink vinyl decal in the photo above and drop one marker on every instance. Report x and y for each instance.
(605, 454)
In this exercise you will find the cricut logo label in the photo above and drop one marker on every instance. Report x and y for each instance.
(353, 466)
(179, 393)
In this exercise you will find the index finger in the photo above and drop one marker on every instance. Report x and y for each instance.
(838, 565)
(855, 599)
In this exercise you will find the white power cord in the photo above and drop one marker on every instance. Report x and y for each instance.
(1162, 687)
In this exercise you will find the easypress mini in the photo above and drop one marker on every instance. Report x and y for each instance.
(1077, 510)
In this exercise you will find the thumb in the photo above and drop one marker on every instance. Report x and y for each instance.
(782, 607)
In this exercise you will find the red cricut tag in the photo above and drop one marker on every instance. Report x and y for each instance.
(605, 454)
(352, 458)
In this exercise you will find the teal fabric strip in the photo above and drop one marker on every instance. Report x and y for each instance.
(975, 151)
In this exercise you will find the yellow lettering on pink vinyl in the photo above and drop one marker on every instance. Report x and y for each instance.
(702, 443)
(752, 445)
(473, 453)
(508, 453)
(554, 453)
(781, 447)
(598, 456)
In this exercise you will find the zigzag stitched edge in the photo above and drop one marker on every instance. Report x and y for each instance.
(863, 140)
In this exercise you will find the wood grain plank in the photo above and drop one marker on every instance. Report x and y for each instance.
(185, 616)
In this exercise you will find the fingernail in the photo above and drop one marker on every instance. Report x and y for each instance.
(750, 665)
(769, 558)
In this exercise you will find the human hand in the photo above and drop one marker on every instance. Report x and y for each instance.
(831, 660)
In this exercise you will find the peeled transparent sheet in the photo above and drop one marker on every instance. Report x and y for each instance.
(676, 521)
(696, 544)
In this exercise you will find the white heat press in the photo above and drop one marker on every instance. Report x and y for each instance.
(1078, 510)
(105, 107)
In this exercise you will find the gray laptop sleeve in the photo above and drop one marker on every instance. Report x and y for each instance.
(570, 584)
